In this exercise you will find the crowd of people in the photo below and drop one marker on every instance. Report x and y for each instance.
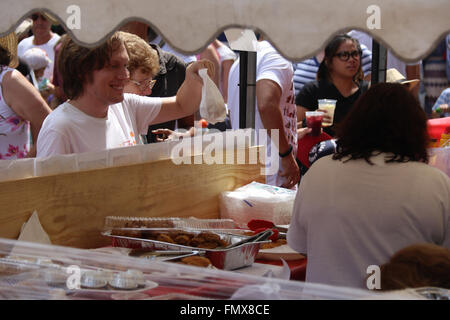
(367, 191)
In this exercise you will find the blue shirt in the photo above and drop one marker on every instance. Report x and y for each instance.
(444, 98)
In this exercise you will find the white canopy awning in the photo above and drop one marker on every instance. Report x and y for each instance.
(297, 28)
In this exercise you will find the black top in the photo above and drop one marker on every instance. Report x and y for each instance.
(172, 71)
(322, 89)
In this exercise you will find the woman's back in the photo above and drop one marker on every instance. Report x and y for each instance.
(357, 215)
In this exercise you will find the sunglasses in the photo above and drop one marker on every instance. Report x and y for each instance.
(345, 55)
(144, 84)
(36, 16)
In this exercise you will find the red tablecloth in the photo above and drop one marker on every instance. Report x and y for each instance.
(436, 127)
(223, 289)
(217, 291)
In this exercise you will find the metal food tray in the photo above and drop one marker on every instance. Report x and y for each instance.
(226, 259)
(164, 255)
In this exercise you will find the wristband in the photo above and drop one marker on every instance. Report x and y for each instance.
(288, 152)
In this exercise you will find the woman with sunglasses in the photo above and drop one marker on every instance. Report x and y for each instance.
(340, 77)
(42, 38)
(143, 67)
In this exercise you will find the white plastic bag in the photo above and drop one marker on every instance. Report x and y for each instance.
(257, 201)
(212, 106)
(266, 291)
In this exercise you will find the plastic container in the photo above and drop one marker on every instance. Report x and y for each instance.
(257, 201)
(175, 223)
(436, 127)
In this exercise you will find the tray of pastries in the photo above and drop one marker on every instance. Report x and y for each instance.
(214, 245)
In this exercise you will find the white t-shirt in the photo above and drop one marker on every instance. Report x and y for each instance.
(48, 47)
(226, 53)
(69, 130)
(272, 66)
(348, 216)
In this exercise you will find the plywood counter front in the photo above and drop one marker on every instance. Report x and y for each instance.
(72, 206)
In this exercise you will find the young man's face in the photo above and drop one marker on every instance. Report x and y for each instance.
(108, 84)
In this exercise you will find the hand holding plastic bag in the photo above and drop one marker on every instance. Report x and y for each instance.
(212, 106)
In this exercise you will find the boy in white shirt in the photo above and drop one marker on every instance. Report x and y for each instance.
(98, 115)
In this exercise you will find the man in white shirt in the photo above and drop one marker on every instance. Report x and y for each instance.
(275, 110)
(98, 115)
(42, 38)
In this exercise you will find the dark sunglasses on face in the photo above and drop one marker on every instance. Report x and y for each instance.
(345, 55)
(36, 16)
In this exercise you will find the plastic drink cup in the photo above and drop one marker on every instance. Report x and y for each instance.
(314, 121)
(328, 105)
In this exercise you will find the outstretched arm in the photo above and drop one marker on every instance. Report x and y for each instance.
(187, 100)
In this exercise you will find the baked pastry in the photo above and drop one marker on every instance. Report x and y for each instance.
(182, 239)
(196, 261)
(205, 240)
(209, 237)
(208, 245)
(164, 238)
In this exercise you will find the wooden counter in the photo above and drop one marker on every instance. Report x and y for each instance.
(72, 206)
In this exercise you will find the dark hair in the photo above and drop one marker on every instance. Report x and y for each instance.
(386, 118)
(419, 265)
(330, 50)
(77, 64)
(5, 58)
